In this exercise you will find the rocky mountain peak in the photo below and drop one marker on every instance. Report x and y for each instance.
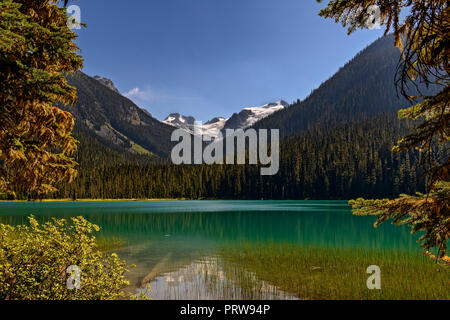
(106, 82)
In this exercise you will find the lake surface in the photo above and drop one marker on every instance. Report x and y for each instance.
(169, 240)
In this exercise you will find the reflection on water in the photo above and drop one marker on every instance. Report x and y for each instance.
(168, 240)
(205, 279)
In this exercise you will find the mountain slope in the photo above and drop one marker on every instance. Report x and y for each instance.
(117, 121)
(349, 161)
(363, 87)
(338, 146)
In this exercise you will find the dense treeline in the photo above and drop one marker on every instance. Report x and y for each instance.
(350, 161)
(336, 144)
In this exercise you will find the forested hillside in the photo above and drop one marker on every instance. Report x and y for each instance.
(352, 160)
(363, 87)
(116, 121)
(337, 144)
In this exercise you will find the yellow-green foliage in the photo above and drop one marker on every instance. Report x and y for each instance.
(37, 51)
(34, 261)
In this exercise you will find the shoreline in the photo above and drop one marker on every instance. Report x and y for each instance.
(158, 199)
(90, 200)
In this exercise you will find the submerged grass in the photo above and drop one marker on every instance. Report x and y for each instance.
(313, 273)
(107, 244)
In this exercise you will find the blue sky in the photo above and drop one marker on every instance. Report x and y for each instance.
(209, 58)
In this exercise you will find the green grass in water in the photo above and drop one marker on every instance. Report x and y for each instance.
(331, 274)
(107, 244)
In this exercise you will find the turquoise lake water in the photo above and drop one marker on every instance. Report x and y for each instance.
(164, 237)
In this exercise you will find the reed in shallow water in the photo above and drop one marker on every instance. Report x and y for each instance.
(106, 244)
(334, 273)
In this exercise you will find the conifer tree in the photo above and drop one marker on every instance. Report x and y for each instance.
(37, 50)
(423, 38)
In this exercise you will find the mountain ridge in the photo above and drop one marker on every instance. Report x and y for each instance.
(336, 144)
(106, 82)
(116, 120)
(244, 119)
(364, 86)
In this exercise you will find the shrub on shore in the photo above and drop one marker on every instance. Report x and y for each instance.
(37, 262)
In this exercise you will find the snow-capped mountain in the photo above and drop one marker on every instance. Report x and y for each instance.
(214, 126)
(180, 121)
(242, 120)
(211, 128)
(249, 116)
